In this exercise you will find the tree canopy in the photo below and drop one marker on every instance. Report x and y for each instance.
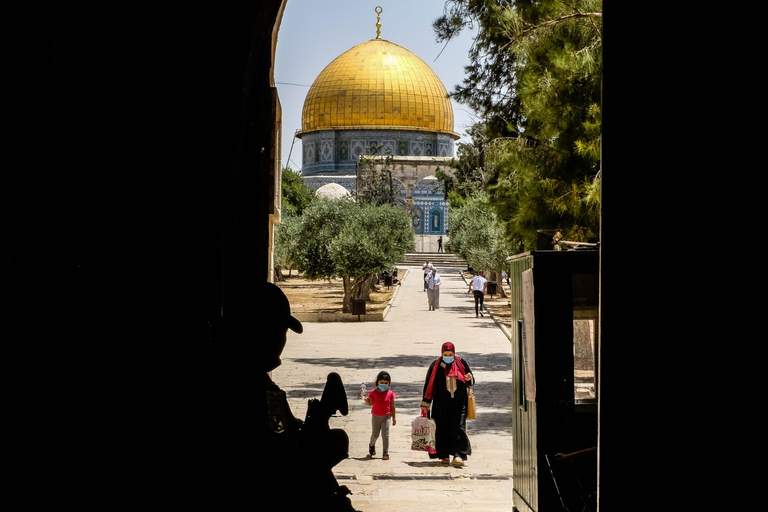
(295, 194)
(340, 238)
(535, 78)
(477, 236)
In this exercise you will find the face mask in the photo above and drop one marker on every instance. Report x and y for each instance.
(383, 387)
(447, 360)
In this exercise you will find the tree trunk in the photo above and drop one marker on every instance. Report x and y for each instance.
(496, 276)
(347, 302)
(357, 287)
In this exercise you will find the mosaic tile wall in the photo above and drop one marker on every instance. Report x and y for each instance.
(430, 209)
(337, 152)
(348, 182)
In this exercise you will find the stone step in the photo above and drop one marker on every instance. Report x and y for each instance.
(438, 259)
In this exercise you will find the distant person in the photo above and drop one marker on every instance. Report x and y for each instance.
(433, 289)
(445, 394)
(505, 277)
(478, 286)
(427, 269)
(440, 243)
(382, 402)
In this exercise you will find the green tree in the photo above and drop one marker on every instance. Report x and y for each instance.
(286, 244)
(478, 237)
(295, 194)
(538, 66)
(489, 85)
(470, 174)
(340, 238)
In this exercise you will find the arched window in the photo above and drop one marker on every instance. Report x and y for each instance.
(418, 225)
(436, 221)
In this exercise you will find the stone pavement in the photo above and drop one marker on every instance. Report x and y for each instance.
(404, 344)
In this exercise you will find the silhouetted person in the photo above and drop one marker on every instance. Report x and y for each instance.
(287, 462)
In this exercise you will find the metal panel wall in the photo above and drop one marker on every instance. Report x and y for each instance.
(553, 423)
(524, 468)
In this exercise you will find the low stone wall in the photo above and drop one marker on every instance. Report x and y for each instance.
(339, 317)
(348, 317)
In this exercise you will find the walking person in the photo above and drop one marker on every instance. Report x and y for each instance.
(478, 286)
(445, 395)
(440, 243)
(433, 289)
(427, 268)
(382, 402)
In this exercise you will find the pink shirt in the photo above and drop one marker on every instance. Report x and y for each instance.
(382, 402)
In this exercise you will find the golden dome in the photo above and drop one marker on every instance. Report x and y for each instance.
(377, 84)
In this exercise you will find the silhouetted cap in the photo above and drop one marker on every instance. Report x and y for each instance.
(265, 304)
(282, 308)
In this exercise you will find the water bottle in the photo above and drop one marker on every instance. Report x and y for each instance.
(363, 390)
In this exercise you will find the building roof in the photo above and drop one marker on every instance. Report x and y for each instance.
(377, 85)
(332, 191)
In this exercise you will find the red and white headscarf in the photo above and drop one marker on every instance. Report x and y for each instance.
(453, 371)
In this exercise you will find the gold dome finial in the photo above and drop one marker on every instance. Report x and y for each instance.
(378, 21)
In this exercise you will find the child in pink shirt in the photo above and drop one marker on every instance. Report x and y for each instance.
(382, 400)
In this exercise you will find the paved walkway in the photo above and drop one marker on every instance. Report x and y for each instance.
(404, 344)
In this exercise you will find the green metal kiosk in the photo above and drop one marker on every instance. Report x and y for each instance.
(555, 298)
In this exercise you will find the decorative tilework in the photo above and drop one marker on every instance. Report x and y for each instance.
(326, 151)
(343, 150)
(309, 152)
(358, 149)
(388, 147)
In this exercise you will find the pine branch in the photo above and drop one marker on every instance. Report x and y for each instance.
(533, 28)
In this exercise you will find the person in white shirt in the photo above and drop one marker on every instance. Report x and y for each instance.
(433, 289)
(427, 268)
(478, 286)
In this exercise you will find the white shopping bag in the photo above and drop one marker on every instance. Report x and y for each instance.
(423, 434)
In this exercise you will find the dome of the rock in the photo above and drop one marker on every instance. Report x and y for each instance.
(377, 85)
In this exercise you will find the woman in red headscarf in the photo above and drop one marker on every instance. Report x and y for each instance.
(445, 392)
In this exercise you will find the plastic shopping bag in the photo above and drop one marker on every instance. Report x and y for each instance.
(423, 434)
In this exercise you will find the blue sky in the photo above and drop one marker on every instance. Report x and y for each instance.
(314, 32)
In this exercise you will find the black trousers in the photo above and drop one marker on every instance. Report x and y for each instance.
(478, 300)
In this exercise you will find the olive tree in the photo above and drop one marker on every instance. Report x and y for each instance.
(340, 238)
(478, 237)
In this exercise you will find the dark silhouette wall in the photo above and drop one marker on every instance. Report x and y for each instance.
(135, 189)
